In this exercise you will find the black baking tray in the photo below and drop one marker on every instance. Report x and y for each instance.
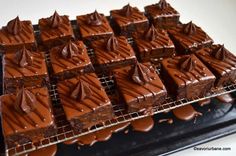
(218, 120)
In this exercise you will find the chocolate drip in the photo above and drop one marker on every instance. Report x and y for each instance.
(189, 28)
(112, 43)
(55, 20)
(70, 50)
(81, 91)
(14, 26)
(127, 10)
(94, 19)
(220, 53)
(162, 4)
(140, 74)
(151, 34)
(25, 101)
(24, 58)
(187, 64)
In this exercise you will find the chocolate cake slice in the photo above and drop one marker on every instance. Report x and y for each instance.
(69, 60)
(186, 77)
(84, 101)
(24, 68)
(162, 14)
(27, 116)
(17, 34)
(140, 87)
(112, 53)
(55, 30)
(188, 38)
(221, 62)
(128, 20)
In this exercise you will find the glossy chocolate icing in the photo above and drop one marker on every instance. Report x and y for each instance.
(112, 43)
(25, 101)
(24, 57)
(151, 34)
(127, 10)
(143, 124)
(187, 64)
(190, 28)
(55, 20)
(94, 19)
(14, 26)
(70, 50)
(220, 53)
(81, 91)
(186, 113)
(204, 102)
(225, 98)
(140, 74)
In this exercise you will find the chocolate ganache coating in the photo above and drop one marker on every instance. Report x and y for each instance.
(140, 74)
(14, 26)
(94, 19)
(151, 34)
(25, 101)
(24, 57)
(112, 43)
(162, 4)
(127, 10)
(189, 28)
(55, 20)
(81, 91)
(220, 53)
(70, 50)
(187, 64)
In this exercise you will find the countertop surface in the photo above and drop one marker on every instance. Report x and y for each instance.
(216, 17)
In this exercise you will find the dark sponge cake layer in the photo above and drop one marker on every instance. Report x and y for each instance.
(224, 70)
(186, 84)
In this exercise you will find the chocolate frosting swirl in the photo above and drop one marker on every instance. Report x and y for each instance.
(112, 43)
(25, 101)
(14, 26)
(220, 53)
(55, 20)
(94, 19)
(162, 4)
(189, 28)
(187, 64)
(151, 34)
(127, 10)
(140, 74)
(24, 57)
(81, 91)
(70, 50)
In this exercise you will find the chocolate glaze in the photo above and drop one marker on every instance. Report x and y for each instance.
(187, 84)
(89, 31)
(204, 102)
(151, 34)
(143, 124)
(187, 64)
(79, 60)
(225, 98)
(127, 10)
(140, 97)
(88, 139)
(112, 43)
(14, 26)
(186, 43)
(123, 53)
(55, 20)
(46, 151)
(169, 121)
(81, 91)
(140, 74)
(225, 71)
(94, 19)
(24, 57)
(186, 113)
(79, 113)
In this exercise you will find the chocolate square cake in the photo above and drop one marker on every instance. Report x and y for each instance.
(27, 116)
(140, 87)
(55, 30)
(84, 100)
(70, 60)
(188, 38)
(16, 35)
(221, 62)
(162, 14)
(128, 20)
(113, 53)
(186, 77)
(153, 45)
(24, 68)
(94, 26)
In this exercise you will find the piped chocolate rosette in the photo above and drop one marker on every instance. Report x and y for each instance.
(94, 19)
(81, 91)
(14, 26)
